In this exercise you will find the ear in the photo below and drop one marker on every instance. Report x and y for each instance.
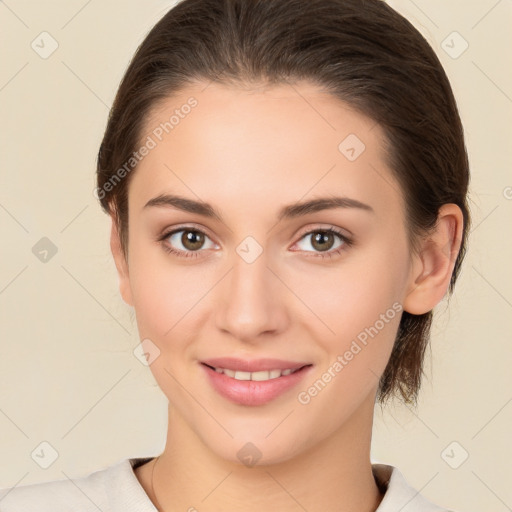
(121, 263)
(432, 267)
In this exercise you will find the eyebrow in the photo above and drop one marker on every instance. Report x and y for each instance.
(290, 211)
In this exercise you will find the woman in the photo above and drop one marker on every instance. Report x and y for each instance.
(287, 187)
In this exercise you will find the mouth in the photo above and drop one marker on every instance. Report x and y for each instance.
(260, 376)
(254, 383)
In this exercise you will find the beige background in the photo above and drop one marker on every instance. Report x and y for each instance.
(68, 376)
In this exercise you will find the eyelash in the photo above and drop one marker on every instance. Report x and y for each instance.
(347, 242)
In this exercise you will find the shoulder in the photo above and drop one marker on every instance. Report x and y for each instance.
(109, 489)
(399, 494)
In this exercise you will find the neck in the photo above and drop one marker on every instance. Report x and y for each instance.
(334, 475)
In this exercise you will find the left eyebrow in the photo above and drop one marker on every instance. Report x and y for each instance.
(290, 211)
(322, 203)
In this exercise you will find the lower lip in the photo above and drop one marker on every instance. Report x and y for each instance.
(252, 392)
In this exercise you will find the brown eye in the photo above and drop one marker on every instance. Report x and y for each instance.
(192, 240)
(322, 240)
(187, 240)
(324, 243)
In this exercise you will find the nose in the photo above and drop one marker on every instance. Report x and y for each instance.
(251, 301)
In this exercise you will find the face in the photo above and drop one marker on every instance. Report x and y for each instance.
(319, 288)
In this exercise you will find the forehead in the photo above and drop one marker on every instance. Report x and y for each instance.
(243, 146)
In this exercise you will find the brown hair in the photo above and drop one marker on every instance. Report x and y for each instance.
(361, 51)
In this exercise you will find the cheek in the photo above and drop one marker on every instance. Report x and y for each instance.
(165, 298)
(358, 310)
(163, 293)
(364, 315)
(348, 298)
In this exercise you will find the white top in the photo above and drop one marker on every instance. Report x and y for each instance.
(117, 489)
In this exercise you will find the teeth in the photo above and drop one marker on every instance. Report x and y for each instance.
(257, 376)
(243, 375)
(274, 374)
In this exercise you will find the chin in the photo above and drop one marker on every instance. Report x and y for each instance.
(257, 445)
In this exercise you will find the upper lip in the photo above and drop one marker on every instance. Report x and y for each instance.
(253, 365)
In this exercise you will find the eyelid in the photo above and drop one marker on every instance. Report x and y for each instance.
(324, 227)
(305, 231)
(167, 232)
(347, 239)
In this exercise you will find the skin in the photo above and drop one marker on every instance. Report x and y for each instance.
(249, 152)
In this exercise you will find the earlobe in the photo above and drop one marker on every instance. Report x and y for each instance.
(121, 263)
(433, 266)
